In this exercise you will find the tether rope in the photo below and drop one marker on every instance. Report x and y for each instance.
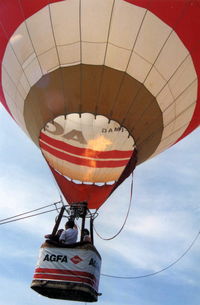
(156, 272)
(125, 220)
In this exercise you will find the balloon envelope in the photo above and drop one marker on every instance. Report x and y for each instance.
(99, 85)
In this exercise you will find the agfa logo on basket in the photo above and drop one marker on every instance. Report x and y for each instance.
(76, 259)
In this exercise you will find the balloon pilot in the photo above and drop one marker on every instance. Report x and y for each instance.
(70, 234)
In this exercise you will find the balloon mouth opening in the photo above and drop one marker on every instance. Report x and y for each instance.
(86, 148)
(78, 182)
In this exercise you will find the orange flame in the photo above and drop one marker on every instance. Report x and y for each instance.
(99, 144)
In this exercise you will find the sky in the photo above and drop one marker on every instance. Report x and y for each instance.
(163, 221)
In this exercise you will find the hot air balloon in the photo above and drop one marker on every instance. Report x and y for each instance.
(100, 86)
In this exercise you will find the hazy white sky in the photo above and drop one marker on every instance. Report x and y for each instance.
(164, 219)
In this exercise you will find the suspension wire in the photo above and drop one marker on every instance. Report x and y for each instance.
(156, 272)
(56, 207)
(125, 220)
(5, 222)
(46, 206)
